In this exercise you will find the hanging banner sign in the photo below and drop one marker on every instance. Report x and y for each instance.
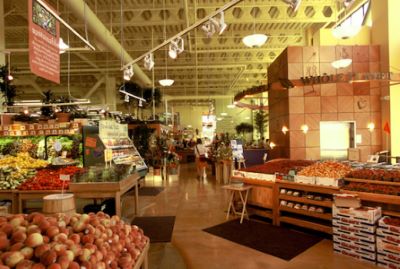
(44, 34)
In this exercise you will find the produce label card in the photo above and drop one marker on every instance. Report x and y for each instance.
(65, 178)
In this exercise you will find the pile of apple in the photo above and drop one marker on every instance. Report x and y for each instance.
(93, 241)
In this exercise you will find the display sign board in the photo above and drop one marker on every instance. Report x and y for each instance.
(237, 149)
(44, 35)
(110, 129)
(92, 155)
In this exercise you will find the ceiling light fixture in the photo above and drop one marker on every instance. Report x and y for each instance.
(294, 4)
(219, 119)
(209, 28)
(344, 60)
(272, 145)
(254, 40)
(346, 31)
(371, 126)
(304, 128)
(223, 114)
(166, 82)
(285, 129)
(149, 61)
(63, 47)
(231, 106)
(176, 47)
(128, 73)
(9, 76)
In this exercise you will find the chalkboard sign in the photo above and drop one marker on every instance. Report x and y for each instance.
(93, 149)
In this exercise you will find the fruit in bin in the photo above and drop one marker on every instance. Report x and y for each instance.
(392, 221)
(326, 169)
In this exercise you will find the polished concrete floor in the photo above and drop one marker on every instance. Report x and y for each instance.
(201, 204)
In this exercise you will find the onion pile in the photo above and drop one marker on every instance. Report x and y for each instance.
(69, 242)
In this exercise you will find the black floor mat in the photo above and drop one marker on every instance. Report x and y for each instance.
(158, 229)
(280, 242)
(150, 191)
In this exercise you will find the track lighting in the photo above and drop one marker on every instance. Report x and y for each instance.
(209, 28)
(62, 45)
(128, 73)
(176, 47)
(140, 103)
(214, 25)
(149, 61)
(294, 4)
(126, 98)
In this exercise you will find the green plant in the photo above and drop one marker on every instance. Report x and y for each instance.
(261, 120)
(8, 90)
(65, 108)
(243, 128)
(47, 111)
(141, 137)
(23, 118)
(149, 97)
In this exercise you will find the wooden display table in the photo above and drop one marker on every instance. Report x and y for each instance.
(13, 197)
(237, 189)
(143, 260)
(94, 190)
(24, 196)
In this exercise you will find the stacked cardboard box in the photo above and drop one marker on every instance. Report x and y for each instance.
(354, 232)
(388, 243)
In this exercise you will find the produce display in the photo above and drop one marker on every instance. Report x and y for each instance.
(326, 169)
(49, 179)
(279, 166)
(23, 161)
(11, 177)
(115, 173)
(374, 188)
(81, 241)
(391, 221)
(375, 174)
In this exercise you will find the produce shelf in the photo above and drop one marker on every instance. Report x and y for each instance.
(376, 197)
(306, 224)
(308, 187)
(325, 216)
(379, 182)
(255, 181)
(143, 260)
(305, 200)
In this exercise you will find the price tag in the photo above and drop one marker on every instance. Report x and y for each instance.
(57, 146)
(65, 178)
(108, 155)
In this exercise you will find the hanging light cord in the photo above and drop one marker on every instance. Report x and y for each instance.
(165, 38)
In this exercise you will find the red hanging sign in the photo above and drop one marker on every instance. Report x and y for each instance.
(386, 128)
(44, 35)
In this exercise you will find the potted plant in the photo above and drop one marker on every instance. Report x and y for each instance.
(47, 111)
(172, 160)
(244, 128)
(65, 110)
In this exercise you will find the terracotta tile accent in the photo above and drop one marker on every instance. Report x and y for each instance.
(360, 67)
(346, 116)
(312, 105)
(329, 104)
(310, 54)
(361, 104)
(361, 88)
(327, 68)
(328, 89)
(296, 91)
(297, 139)
(329, 116)
(362, 120)
(375, 103)
(366, 136)
(344, 88)
(374, 53)
(361, 54)
(344, 52)
(374, 67)
(295, 121)
(313, 90)
(295, 54)
(312, 120)
(327, 54)
(312, 139)
(375, 88)
(364, 152)
(313, 153)
(297, 153)
(295, 71)
(376, 137)
(345, 103)
(376, 118)
(296, 105)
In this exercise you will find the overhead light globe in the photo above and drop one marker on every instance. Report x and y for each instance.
(166, 82)
(219, 119)
(255, 40)
(231, 106)
(341, 63)
(371, 126)
(62, 45)
(224, 114)
(172, 53)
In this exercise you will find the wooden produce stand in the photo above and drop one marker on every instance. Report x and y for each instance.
(94, 190)
(143, 260)
(24, 196)
(11, 195)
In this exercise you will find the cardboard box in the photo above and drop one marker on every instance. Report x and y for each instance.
(364, 246)
(367, 257)
(390, 228)
(328, 181)
(385, 262)
(385, 246)
(389, 256)
(388, 235)
(369, 215)
(347, 200)
(353, 225)
(304, 179)
(354, 236)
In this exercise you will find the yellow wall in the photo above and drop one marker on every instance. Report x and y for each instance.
(324, 37)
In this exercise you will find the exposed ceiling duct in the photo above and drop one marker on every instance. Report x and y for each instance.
(103, 35)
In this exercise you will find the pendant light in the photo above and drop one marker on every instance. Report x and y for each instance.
(347, 28)
(166, 82)
(255, 40)
(343, 61)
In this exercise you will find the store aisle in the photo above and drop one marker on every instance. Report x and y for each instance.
(202, 204)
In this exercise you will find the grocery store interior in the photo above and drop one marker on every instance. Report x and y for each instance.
(199, 134)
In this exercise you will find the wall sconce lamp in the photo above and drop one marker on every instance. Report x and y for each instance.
(304, 128)
(284, 129)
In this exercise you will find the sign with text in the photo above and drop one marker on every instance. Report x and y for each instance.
(109, 129)
(44, 34)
